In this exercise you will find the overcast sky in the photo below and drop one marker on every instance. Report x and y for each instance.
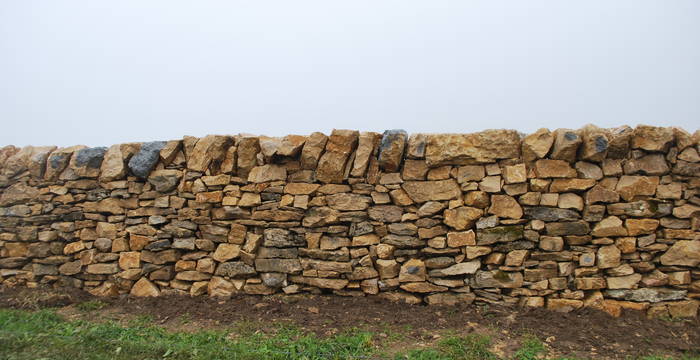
(103, 72)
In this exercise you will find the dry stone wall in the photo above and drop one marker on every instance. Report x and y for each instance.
(607, 218)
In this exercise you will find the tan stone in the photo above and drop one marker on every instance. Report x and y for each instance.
(590, 283)
(505, 206)
(546, 168)
(686, 211)
(683, 253)
(461, 238)
(422, 191)
(567, 185)
(387, 268)
(366, 145)
(515, 174)
(412, 270)
(652, 138)
(463, 149)
(564, 305)
(267, 173)
(654, 164)
(113, 167)
(588, 170)
(610, 226)
(249, 199)
(566, 144)
(669, 191)
(462, 218)
(348, 201)
(391, 149)
(470, 173)
(248, 148)
(225, 252)
(220, 287)
(631, 186)
(19, 193)
(516, 257)
(311, 152)
(599, 194)
(623, 282)
(570, 201)
(474, 252)
(144, 287)
(608, 257)
(209, 149)
(537, 145)
(331, 165)
(130, 260)
(641, 226)
(595, 143)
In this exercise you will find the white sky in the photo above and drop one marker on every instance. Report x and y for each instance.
(102, 72)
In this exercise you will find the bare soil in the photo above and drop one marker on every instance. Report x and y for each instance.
(586, 333)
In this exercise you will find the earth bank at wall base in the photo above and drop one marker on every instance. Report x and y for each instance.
(564, 219)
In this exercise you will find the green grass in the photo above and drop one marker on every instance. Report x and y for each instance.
(471, 347)
(91, 305)
(44, 335)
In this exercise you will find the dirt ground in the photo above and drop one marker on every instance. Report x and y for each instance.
(586, 333)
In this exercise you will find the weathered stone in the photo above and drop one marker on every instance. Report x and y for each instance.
(144, 287)
(567, 185)
(654, 164)
(209, 151)
(348, 201)
(335, 284)
(422, 191)
(464, 268)
(322, 216)
(647, 295)
(599, 194)
(608, 257)
(515, 174)
(566, 143)
(497, 279)
(686, 211)
(536, 145)
(391, 149)
(631, 186)
(146, 158)
(551, 214)
(497, 234)
(235, 269)
(331, 165)
(546, 168)
(422, 287)
(505, 206)
(610, 226)
(18, 193)
(567, 228)
(165, 180)
(637, 227)
(450, 299)
(462, 218)
(267, 173)
(282, 238)
(623, 282)
(366, 145)
(588, 170)
(385, 213)
(683, 252)
(463, 149)
(225, 252)
(595, 144)
(652, 138)
(412, 270)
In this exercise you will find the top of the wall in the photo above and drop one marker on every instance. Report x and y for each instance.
(343, 155)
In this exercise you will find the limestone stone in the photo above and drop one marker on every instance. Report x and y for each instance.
(323, 215)
(570, 201)
(461, 238)
(366, 145)
(551, 214)
(235, 269)
(594, 145)
(490, 184)
(599, 194)
(387, 268)
(470, 173)
(566, 144)
(515, 174)
(463, 149)
(267, 173)
(246, 154)
(686, 211)
(416, 146)
(225, 252)
(450, 299)
(348, 201)
(567, 228)
(683, 253)
(165, 180)
(311, 152)
(610, 226)
(422, 287)
(113, 167)
(144, 287)
(497, 279)
(18, 193)
(624, 282)
(652, 138)
(208, 151)
(505, 206)
(58, 160)
(653, 164)
(637, 227)
(507, 233)
(608, 257)
(537, 145)
(546, 168)
(551, 243)
(412, 270)
(631, 186)
(391, 149)
(331, 165)
(422, 191)
(669, 191)
(462, 218)
(647, 294)
(220, 287)
(567, 185)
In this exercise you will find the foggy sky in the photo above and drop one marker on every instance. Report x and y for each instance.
(105, 72)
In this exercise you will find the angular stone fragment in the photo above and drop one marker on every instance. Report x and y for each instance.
(450, 299)
(144, 287)
(366, 146)
(464, 268)
(18, 193)
(58, 161)
(683, 253)
(567, 228)
(608, 257)
(422, 191)
(246, 154)
(331, 165)
(623, 282)
(566, 143)
(546, 168)
(505, 206)
(85, 163)
(567, 185)
(335, 284)
(146, 158)
(595, 144)
(610, 226)
(599, 194)
(235, 269)
(477, 148)
(462, 218)
(391, 149)
(287, 266)
(654, 164)
(551, 214)
(348, 201)
(686, 211)
(267, 173)
(652, 138)
(515, 174)
(165, 180)
(282, 238)
(536, 145)
(322, 216)
(113, 167)
(422, 287)
(209, 152)
(637, 227)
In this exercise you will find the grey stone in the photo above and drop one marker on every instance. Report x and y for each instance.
(235, 269)
(90, 157)
(551, 214)
(647, 294)
(146, 159)
(282, 238)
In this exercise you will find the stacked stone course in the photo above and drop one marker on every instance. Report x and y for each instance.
(604, 218)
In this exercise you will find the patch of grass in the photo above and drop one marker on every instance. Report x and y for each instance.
(532, 348)
(91, 305)
(45, 335)
(470, 347)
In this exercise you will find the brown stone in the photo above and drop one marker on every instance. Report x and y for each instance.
(248, 148)
(130, 260)
(422, 287)
(652, 138)
(225, 252)
(267, 173)
(348, 201)
(610, 226)
(422, 191)
(537, 145)
(412, 270)
(567, 185)
(387, 268)
(144, 287)
(623, 282)
(505, 206)
(19, 193)
(641, 226)
(608, 257)
(311, 152)
(331, 165)
(515, 174)
(391, 149)
(570, 201)
(595, 144)
(208, 150)
(564, 305)
(683, 253)
(654, 164)
(686, 211)
(470, 173)
(366, 145)
(599, 194)
(566, 143)
(463, 149)
(462, 218)
(631, 186)
(546, 168)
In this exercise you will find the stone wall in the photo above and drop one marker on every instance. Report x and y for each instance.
(608, 218)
